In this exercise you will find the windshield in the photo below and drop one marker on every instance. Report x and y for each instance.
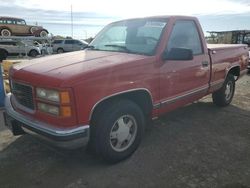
(139, 36)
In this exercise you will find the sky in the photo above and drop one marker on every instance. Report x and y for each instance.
(94, 14)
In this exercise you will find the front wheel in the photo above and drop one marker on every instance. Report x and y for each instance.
(224, 96)
(118, 130)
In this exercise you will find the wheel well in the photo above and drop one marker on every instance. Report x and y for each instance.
(5, 28)
(140, 97)
(33, 50)
(60, 48)
(234, 71)
(44, 30)
(3, 50)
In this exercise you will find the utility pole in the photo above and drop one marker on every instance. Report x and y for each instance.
(72, 32)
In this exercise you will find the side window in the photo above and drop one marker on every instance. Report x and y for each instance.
(57, 42)
(77, 42)
(69, 41)
(20, 22)
(185, 35)
(10, 22)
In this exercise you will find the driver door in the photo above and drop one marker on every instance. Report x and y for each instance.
(184, 80)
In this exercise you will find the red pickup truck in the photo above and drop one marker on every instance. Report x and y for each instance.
(134, 70)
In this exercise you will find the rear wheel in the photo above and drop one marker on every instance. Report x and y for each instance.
(224, 96)
(33, 53)
(5, 32)
(60, 50)
(118, 130)
(43, 33)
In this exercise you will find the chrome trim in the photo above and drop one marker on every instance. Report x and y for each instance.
(155, 118)
(174, 99)
(217, 83)
(41, 126)
(118, 93)
(157, 105)
(20, 106)
(72, 144)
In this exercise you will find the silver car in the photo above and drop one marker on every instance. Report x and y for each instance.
(13, 48)
(68, 45)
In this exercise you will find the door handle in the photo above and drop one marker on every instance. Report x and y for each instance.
(204, 63)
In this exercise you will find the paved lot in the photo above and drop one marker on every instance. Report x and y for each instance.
(199, 145)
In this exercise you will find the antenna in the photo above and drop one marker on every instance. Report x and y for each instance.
(72, 32)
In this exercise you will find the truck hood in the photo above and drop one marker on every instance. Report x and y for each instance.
(68, 65)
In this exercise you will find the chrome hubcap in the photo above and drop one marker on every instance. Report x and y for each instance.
(123, 133)
(229, 90)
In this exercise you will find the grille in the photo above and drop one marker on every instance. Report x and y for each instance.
(23, 94)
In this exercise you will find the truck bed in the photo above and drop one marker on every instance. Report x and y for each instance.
(224, 56)
(224, 46)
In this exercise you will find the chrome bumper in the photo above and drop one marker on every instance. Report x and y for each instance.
(67, 138)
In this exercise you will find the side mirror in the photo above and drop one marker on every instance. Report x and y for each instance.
(178, 54)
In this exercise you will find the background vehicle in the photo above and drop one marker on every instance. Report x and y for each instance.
(3, 54)
(68, 45)
(44, 47)
(13, 48)
(134, 70)
(10, 26)
(229, 37)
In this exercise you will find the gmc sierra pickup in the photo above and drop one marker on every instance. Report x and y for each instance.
(134, 70)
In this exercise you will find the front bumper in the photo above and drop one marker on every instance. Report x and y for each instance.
(67, 138)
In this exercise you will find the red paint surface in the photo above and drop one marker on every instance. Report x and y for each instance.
(91, 76)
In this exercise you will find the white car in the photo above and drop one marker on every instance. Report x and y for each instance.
(13, 48)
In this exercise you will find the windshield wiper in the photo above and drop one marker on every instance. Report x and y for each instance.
(118, 46)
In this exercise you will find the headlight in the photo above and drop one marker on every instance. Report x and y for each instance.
(62, 98)
(54, 110)
(51, 95)
(63, 111)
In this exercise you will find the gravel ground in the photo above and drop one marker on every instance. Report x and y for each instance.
(199, 145)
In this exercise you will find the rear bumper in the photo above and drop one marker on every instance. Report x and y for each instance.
(66, 138)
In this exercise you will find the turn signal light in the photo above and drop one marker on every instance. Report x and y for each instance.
(66, 111)
(65, 99)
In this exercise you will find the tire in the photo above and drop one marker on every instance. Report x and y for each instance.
(224, 95)
(33, 53)
(43, 52)
(5, 32)
(118, 130)
(3, 55)
(60, 50)
(43, 33)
